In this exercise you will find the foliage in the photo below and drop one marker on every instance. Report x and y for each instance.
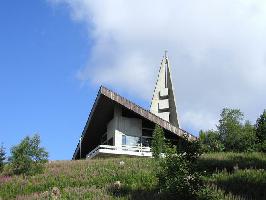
(262, 146)
(210, 141)
(247, 138)
(178, 174)
(2, 157)
(232, 134)
(158, 143)
(261, 131)
(28, 157)
(229, 128)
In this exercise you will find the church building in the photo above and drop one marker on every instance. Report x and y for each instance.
(117, 126)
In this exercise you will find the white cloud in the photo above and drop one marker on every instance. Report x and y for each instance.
(217, 50)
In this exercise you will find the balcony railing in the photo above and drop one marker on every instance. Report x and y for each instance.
(120, 150)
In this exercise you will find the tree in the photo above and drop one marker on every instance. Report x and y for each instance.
(230, 127)
(210, 141)
(2, 157)
(158, 143)
(28, 157)
(261, 127)
(234, 134)
(247, 138)
(261, 131)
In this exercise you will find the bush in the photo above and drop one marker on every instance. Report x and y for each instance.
(178, 174)
(210, 141)
(28, 157)
(262, 146)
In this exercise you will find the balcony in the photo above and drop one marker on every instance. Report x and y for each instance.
(108, 150)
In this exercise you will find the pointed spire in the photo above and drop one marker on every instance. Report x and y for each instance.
(163, 100)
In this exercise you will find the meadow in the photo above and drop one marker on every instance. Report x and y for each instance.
(230, 176)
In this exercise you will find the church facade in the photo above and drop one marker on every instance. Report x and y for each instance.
(117, 126)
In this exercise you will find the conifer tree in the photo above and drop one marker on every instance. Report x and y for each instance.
(158, 143)
(2, 157)
(261, 131)
(261, 127)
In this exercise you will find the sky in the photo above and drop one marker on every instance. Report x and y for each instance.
(54, 55)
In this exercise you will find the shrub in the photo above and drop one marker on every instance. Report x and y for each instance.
(262, 146)
(178, 174)
(28, 157)
(210, 141)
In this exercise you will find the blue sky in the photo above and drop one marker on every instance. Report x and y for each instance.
(54, 55)
(41, 50)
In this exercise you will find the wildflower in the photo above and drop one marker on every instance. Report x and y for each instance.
(121, 162)
(45, 195)
(236, 167)
(55, 193)
(117, 185)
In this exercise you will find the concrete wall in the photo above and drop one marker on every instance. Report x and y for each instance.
(120, 125)
(127, 126)
(111, 127)
(163, 100)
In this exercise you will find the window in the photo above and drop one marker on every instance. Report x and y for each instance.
(130, 140)
(123, 140)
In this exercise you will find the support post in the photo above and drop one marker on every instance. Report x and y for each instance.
(80, 139)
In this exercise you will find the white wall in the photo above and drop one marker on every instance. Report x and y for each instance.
(127, 126)
(120, 125)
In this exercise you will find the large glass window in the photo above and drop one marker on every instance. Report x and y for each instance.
(130, 140)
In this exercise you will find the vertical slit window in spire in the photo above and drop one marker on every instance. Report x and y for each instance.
(166, 74)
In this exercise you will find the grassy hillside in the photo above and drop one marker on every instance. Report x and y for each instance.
(229, 175)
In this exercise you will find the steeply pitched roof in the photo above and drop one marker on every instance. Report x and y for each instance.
(105, 95)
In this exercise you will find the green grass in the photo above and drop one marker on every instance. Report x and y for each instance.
(94, 179)
(87, 178)
(213, 162)
(248, 183)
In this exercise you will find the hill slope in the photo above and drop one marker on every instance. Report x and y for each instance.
(133, 178)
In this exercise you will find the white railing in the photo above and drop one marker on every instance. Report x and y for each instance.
(123, 148)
